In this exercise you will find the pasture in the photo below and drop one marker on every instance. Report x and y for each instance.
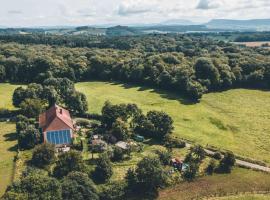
(237, 120)
(8, 149)
(6, 92)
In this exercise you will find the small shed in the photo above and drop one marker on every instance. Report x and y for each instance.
(123, 145)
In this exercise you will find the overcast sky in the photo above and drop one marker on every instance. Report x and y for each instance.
(90, 12)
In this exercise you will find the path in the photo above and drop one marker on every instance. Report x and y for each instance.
(241, 162)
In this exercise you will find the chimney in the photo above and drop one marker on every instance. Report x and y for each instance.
(61, 111)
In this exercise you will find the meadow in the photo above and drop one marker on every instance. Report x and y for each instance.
(8, 150)
(6, 92)
(239, 181)
(236, 120)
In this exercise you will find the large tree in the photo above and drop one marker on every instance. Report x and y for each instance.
(78, 186)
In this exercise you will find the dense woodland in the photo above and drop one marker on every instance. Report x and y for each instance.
(191, 65)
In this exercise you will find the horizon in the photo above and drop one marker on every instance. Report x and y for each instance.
(36, 13)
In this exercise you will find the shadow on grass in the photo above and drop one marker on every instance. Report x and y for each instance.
(181, 98)
(13, 148)
(10, 136)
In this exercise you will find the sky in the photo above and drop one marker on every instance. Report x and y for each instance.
(29, 13)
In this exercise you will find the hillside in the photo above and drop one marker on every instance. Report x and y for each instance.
(230, 120)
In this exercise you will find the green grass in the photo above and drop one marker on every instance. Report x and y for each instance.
(8, 149)
(6, 92)
(236, 120)
(239, 181)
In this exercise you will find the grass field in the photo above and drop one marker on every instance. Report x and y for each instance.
(8, 150)
(253, 44)
(238, 120)
(6, 92)
(239, 181)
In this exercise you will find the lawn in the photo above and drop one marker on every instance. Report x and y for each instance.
(6, 92)
(8, 148)
(239, 181)
(238, 120)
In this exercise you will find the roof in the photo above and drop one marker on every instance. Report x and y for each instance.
(122, 145)
(57, 117)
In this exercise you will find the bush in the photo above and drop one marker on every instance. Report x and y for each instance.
(171, 142)
(83, 122)
(164, 156)
(211, 167)
(43, 155)
(118, 154)
(217, 155)
(227, 162)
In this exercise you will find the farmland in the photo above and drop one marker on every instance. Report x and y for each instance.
(240, 181)
(8, 150)
(231, 120)
(253, 44)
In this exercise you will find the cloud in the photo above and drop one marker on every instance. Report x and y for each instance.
(133, 8)
(208, 4)
(15, 12)
(87, 12)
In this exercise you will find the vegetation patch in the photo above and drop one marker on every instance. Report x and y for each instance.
(246, 112)
(8, 150)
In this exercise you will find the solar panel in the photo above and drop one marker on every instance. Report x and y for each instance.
(59, 137)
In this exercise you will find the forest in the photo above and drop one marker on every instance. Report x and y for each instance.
(189, 65)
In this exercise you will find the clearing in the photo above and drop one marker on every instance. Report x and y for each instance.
(6, 92)
(8, 149)
(233, 120)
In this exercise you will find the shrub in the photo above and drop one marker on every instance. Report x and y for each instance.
(217, 155)
(226, 163)
(83, 122)
(113, 191)
(164, 156)
(43, 155)
(171, 142)
(118, 154)
(211, 167)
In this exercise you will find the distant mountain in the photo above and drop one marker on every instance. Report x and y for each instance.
(253, 25)
(122, 31)
(178, 22)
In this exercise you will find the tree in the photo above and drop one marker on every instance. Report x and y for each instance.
(43, 155)
(226, 163)
(191, 171)
(195, 90)
(77, 102)
(120, 130)
(147, 177)
(32, 107)
(113, 191)
(118, 154)
(103, 171)
(198, 153)
(164, 156)
(78, 186)
(68, 162)
(163, 123)
(35, 186)
(211, 167)
(205, 70)
(28, 138)
(2, 73)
